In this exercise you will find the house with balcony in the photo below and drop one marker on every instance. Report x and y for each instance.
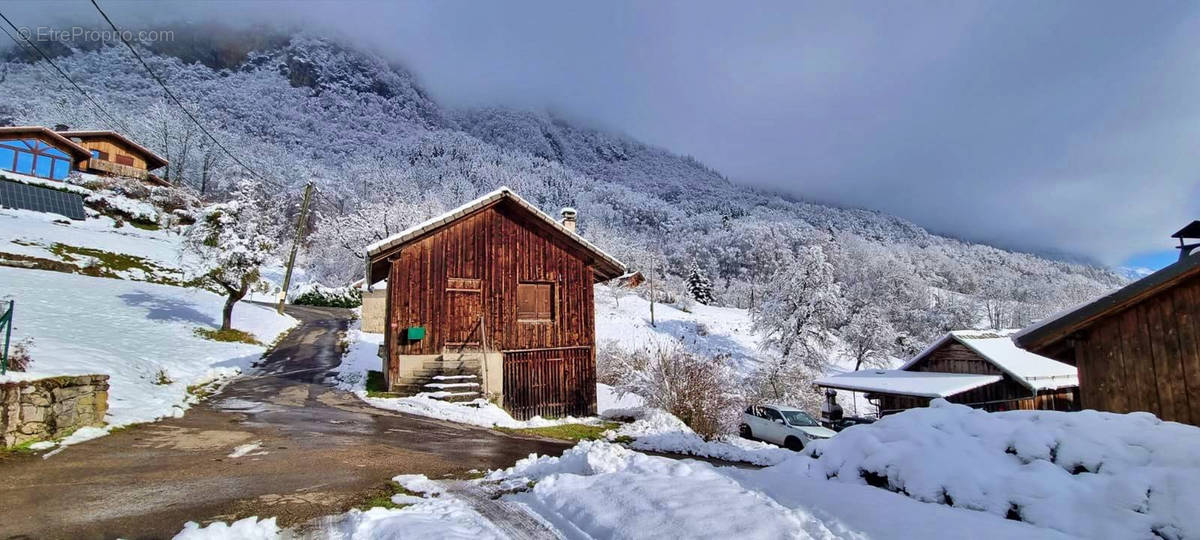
(113, 154)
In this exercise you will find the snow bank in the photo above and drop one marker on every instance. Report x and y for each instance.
(658, 431)
(602, 490)
(132, 332)
(479, 412)
(1086, 473)
(250, 528)
(607, 399)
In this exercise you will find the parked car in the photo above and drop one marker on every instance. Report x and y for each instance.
(788, 427)
(847, 421)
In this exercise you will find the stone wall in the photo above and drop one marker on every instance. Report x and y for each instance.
(52, 407)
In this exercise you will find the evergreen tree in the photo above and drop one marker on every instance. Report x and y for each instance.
(698, 285)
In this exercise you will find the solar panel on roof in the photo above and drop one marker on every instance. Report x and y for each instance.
(40, 199)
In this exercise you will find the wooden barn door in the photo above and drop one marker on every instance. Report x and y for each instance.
(464, 306)
(550, 383)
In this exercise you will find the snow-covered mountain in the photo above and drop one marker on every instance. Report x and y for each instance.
(384, 154)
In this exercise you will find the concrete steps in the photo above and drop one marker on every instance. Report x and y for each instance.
(451, 377)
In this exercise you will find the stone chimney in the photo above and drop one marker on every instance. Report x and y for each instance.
(568, 218)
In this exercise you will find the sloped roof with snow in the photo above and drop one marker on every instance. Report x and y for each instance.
(907, 383)
(1034, 371)
(609, 268)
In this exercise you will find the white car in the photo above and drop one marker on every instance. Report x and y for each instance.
(788, 427)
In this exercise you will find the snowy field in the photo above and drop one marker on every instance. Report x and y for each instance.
(131, 331)
(35, 234)
(708, 330)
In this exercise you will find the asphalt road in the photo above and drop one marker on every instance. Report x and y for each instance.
(321, 451)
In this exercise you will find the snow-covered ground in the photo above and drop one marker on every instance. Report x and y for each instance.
(708, 330)
(133, 332)
(946, 471)
(35, 234)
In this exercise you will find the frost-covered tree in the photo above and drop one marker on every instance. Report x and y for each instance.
(802, 303)
(229, 243)
(698, 285)
(870, 337)
(784, 381)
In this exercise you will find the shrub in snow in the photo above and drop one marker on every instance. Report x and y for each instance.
(229, 244)
(18, 356)
(693, 388)
(315, 294)
(1091, 474)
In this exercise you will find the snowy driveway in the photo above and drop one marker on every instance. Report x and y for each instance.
(279, 442)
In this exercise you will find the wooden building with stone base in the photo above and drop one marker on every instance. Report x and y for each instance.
(493, 299)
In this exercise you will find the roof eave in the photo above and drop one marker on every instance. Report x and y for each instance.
(1046, 333)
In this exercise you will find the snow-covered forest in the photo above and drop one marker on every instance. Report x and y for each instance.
(384, 155)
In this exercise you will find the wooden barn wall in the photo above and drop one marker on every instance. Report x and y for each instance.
(550, 383)
(492, 252)
(993, 397)
(1145, 357)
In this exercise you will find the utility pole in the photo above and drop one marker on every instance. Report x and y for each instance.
(653, 270)
(287, 277)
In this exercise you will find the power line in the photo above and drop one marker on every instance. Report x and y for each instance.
(61, 72)
(170, 94)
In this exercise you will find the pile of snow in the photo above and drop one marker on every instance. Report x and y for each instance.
(134, 332)
(655, 430)
(250, 528)
(1086, 473)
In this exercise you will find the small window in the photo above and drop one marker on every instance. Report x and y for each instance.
(535, 302)
(124, 160)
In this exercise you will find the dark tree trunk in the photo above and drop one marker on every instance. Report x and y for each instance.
(227, 313)
(232, 299)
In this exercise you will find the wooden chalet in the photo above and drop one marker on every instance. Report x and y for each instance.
(981, 369)
(39, 152)
(113, 154)
(1138, 348)
(493, 297)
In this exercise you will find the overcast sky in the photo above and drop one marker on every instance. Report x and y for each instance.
(1038, 125)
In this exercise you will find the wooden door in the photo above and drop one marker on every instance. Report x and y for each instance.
(464, 307)
(551, 383)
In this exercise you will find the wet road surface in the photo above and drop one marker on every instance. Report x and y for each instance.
(320, 451)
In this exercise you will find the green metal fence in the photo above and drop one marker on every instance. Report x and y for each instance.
(6, 327)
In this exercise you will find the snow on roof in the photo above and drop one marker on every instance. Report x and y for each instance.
(996, 346)
(501, 192)
(908, 383)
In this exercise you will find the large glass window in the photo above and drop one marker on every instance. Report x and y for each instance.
(43, 166)
(33, 157)
(62, 168)
(24, 163)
